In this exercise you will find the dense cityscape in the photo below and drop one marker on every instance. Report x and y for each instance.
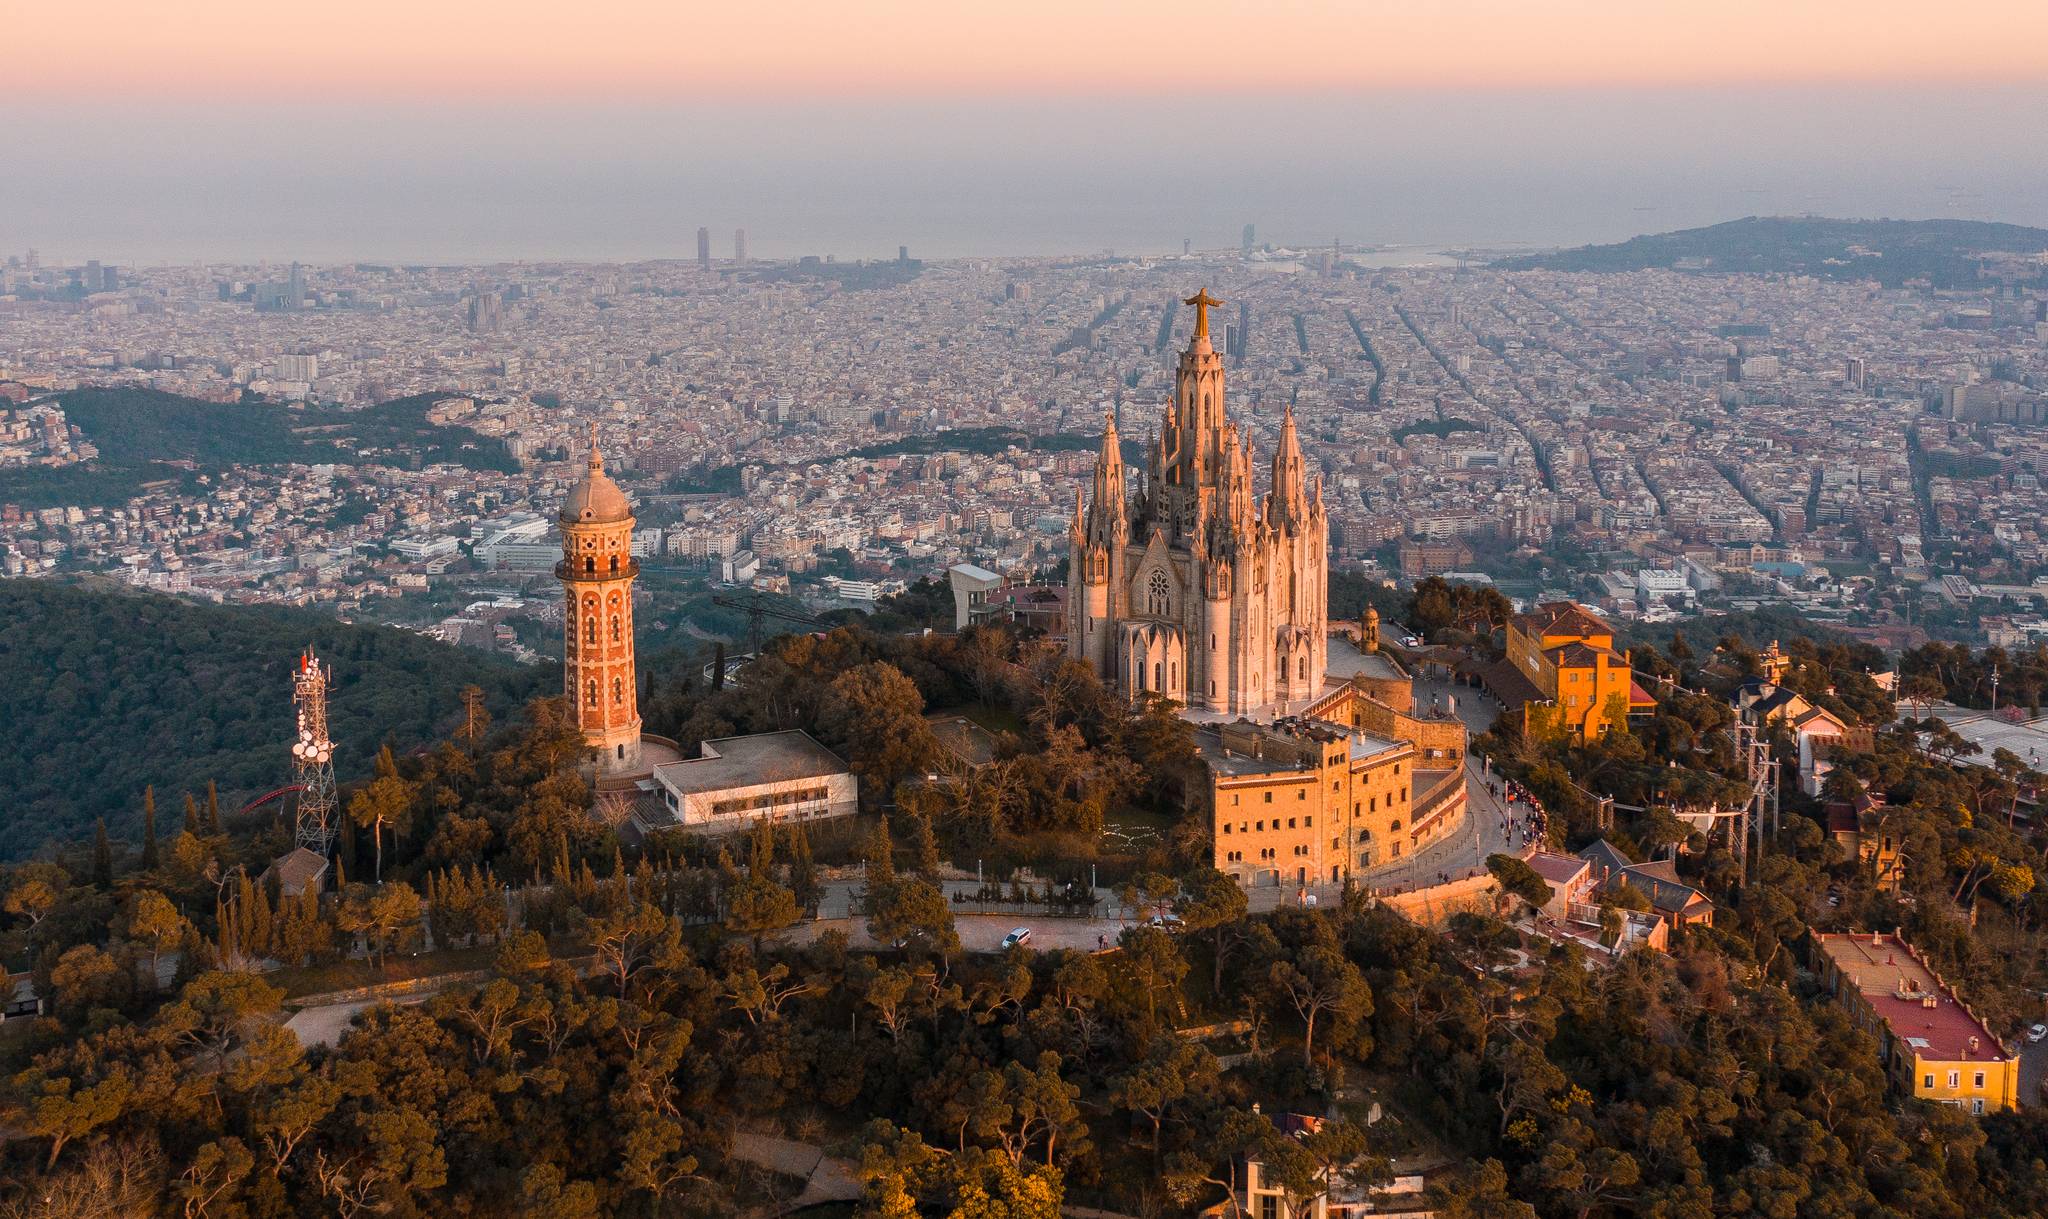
(1648, 442)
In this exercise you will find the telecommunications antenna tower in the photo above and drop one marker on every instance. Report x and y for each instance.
(313, 757)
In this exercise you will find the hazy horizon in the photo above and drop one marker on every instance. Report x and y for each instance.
(466, 131)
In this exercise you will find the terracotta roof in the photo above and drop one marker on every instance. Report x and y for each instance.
(1894, 981)
(1557, 869)
(1562, 618)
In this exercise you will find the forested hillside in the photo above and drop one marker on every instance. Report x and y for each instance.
(104, 690)
(1889, 251)
(143, 435)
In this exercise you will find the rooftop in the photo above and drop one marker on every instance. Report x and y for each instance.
(749, 761)
(1557, 869)
(1893, 979)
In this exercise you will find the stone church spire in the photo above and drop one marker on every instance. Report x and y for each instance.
(1287, 501)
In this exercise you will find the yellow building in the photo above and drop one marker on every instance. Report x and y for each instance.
(1935, 1047)
(1565, 671)
(1302, 802)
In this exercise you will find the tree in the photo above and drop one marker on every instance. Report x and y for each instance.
(102, 857)
(31, 898)
(1321, 982)
(385, 800)
(632, 941)
(154, 922)
(909, 911)
(1171, 1070)
(1517, 877)
(875, 716)
(149, 847)
(756, 905)
(1152, 962)
(1211, 901)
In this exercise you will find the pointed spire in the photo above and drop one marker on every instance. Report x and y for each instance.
(596, 458)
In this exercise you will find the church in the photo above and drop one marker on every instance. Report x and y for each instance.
(1188, 586)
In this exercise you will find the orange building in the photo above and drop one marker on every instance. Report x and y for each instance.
(1935, 1047)
(1566, 673)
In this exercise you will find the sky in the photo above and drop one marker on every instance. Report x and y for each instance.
(453, 130)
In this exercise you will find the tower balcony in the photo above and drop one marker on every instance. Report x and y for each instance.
(567, 569)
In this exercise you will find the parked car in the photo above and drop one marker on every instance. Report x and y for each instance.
(1165, 919)
(2037, 1032)
(1017, 938)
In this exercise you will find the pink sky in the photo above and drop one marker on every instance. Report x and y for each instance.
(521, 49)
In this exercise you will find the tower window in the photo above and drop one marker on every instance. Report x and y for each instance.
(590, 694)
(615, 628)
(589, 565)
(615, 564)
(618, 691)
(590, 629)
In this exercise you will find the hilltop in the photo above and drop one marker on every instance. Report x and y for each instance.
(1889, 251)
(105, 690)
(144, 435)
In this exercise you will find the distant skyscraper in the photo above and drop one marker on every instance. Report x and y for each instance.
(739, 246)
(1187, 245)
(92, 276)
(703, 248)
(295, 288)
(1854, 372)
(903, 253)
(485, 313)
(1249, 238)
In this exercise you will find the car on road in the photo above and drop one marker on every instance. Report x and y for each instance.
(1165, 920)
(1017, 938)
(2037, 1032)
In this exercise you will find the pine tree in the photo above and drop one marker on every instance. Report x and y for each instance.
(149, 856)
(102, 857)
(212, 808)
(191, 815)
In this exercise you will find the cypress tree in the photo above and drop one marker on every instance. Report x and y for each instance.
(718, 669)
(212, 808)
(191, 815)
(149, 859)
(102, 857)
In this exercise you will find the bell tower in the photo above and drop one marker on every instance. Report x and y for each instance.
(597, 571)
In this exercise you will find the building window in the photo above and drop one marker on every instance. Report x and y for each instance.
(1269, 797)
(1977, 1106)
(1980, 1079)
(616, 634)
(1395, 853)
(1955, 1079)
(590, 630)
(1158, 597)
(590, 694)
(1307, 821)
(1290, 823)
(618, 691)
(1226, 827)
(1930, 1080)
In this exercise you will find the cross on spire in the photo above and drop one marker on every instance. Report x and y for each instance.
(1202, 302)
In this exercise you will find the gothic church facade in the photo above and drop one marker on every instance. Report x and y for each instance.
(1187, 585)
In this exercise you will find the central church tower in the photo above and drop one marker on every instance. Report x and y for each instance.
(597, 571)
(1190, 587)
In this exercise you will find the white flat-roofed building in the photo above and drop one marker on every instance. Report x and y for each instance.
(770, 776)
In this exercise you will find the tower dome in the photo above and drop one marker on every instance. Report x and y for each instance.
(597, 499)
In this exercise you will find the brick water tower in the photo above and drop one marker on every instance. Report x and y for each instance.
(597, 571)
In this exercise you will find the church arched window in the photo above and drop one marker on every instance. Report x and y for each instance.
(589, 566)
(590, 629)
(615, 628)
(1159, 596)
(1157, 682)
(590, 693)
(615, 565)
